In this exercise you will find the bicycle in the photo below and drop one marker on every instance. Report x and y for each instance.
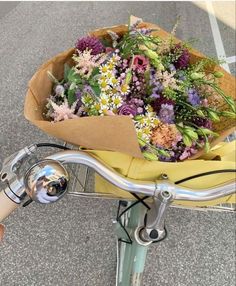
(139, 225)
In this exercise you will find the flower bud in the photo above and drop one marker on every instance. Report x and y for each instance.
(197, 75)
(193, 135)
(218, 74)
(200, 113)
(128, 77)
(150, 45)
(150, 156)
(138, 117)
(213, 116)
(207, 147)
(207, 132)
(187, 140)
(151, 54)
(228, 114)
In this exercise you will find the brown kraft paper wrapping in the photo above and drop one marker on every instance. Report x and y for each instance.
(111, 133)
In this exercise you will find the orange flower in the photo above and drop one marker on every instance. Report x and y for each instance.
(165, 135)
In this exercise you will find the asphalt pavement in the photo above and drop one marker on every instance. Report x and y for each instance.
(72, 243)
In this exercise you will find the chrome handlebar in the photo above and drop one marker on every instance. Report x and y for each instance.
(46, 181)
(147, 188)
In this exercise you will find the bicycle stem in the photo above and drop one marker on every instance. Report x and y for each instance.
(154, 224)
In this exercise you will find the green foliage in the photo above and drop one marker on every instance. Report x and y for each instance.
(74, 77)
(66, 72)
(71, 97)
(96, 89)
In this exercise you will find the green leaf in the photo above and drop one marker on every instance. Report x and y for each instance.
(141, 142)
(66, 71)
(163, 153)
(96, 89)
(71, 96)
(74, 77)
(105, 42)
(94, 72)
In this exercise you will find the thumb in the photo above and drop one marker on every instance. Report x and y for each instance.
(2, 229)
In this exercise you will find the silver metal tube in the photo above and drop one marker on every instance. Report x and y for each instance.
(204, 194)
(133, 186)
(148, 188)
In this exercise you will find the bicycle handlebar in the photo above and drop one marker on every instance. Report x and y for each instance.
(14, 192)
(148, 188)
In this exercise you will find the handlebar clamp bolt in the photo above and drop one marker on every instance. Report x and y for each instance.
(153, 234)
(164, 176)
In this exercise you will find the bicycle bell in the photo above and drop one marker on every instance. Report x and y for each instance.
(46, 181)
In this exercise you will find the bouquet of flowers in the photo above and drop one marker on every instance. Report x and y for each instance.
(174, 102)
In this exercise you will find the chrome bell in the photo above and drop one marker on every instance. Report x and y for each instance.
(46, 181)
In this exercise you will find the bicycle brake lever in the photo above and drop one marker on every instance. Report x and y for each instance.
(12, 163)
(15, 189)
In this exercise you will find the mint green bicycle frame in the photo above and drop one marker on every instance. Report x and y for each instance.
(131, 257)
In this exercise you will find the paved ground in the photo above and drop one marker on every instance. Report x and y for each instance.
(72, 242)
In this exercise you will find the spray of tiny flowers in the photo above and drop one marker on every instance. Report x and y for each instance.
(149, 79)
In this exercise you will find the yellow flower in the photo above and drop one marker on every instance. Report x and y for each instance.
(156, 121)
(110, 66)
(104, 85)
(114, 81)
(104, 69)
(103, 78)
(114, 59)
(149, 108)
(117, 101)
(104, 100)
(109, 75)
(124, 89)
(146, 131)
(114, 91)
(97, 106)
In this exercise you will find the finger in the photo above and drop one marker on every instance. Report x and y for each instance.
(2, 230)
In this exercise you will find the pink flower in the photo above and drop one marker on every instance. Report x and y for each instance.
(109, 49)
(140, 63)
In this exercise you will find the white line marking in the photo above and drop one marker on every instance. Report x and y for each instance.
(216, 35)
(231, 60)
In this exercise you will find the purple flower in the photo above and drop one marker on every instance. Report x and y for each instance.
(172, 68)
(184, 59)
(78, 94)
(90, 43)
(137, 101)
(88, 89)
(128, 109)
(59, 89)
(193, 97)
(188, 152)
(202, 122)
(166, 113)
(159, 102)
(155, 95)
